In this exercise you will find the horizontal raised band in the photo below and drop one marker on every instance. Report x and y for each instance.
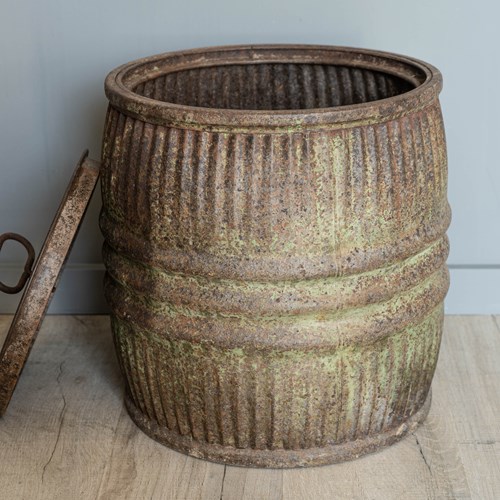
(322, 295)
(266, 268)
(356, 326)
(247, 457)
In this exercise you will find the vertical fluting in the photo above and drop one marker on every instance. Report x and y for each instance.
(277, 290)
(251, 402)
(272, 86)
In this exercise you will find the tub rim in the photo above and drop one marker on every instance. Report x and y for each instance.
(120, 82)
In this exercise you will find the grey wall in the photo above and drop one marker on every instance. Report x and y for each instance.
(54, 55)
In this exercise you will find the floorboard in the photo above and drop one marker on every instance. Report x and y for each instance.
(67, 435)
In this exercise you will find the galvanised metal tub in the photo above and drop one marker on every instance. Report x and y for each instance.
(275, 222)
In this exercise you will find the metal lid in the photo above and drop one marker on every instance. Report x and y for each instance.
(45, 276)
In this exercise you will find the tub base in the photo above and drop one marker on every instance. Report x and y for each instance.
(276, 458)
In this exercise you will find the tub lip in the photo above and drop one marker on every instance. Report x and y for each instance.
(118, 85)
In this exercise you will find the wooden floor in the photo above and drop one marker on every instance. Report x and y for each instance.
(67, 436)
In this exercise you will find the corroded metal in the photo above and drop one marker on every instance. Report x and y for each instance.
(45, 276)
(30, 258)
(275, 222)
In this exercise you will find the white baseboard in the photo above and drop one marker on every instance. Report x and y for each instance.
(79, 291)
(473, 290)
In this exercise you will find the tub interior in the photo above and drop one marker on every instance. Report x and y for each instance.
(273, 86)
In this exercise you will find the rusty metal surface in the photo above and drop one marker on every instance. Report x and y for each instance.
(27, 265)
(275, 222)
(44, 278)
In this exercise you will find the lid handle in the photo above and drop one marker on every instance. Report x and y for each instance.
(27, 266)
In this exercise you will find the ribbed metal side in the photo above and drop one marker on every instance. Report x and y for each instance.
(266, 400)
(273, 86)
(329, 202)
(277, 290)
